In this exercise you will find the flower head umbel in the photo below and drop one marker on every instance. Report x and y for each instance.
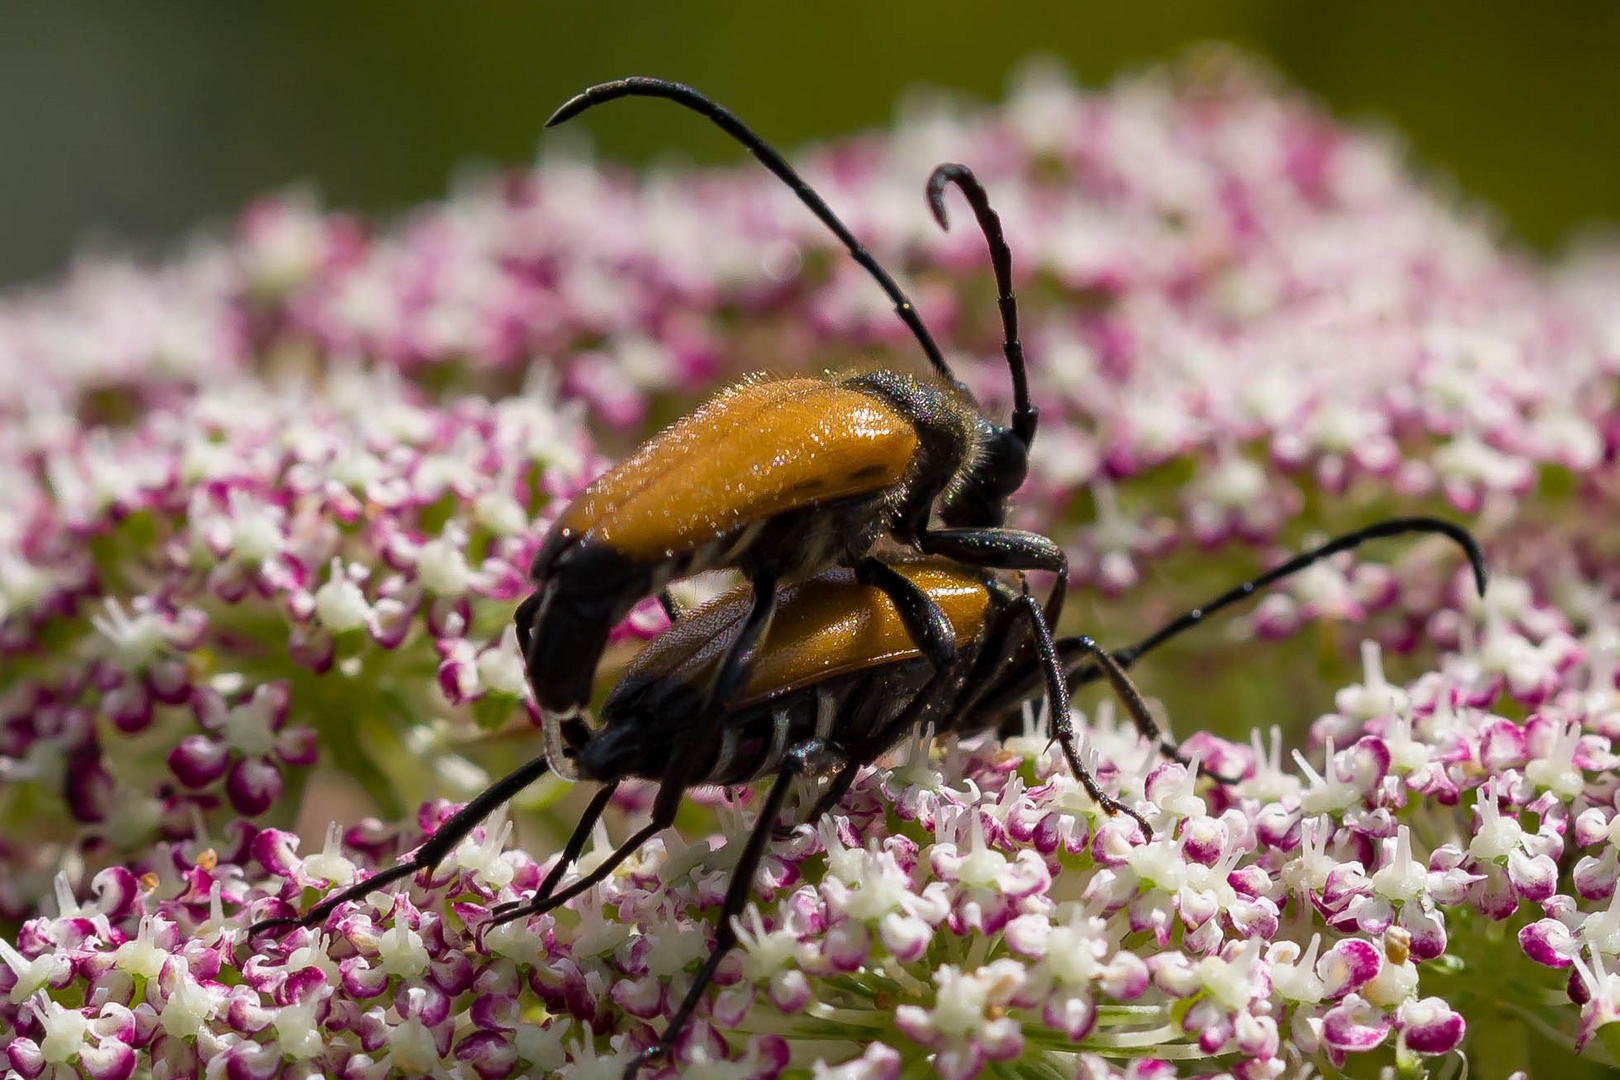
(272, 505)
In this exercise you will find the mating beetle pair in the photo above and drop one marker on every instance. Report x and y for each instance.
(829, 655)
(782, 479)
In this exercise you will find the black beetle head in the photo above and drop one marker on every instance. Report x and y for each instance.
(979, 499)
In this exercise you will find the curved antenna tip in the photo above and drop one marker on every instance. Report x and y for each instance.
(1465, 540)
(1024, 411)
(567, 111)
(685, 96)
(614, 88)
(942, 175)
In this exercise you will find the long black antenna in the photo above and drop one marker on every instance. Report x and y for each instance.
(642, 86)
(1024, 411)
(1379, 529)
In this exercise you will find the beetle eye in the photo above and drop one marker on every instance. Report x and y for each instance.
(1012, 464)
(981, 501)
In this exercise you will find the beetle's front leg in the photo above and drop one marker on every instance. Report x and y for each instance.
(925, 623)
(1004, 549)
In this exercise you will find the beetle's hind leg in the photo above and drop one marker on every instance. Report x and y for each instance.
(428, 854)
(545, 900)
(742, 882)
(1142, 718)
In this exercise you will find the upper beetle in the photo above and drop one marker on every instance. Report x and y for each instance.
(783, 478)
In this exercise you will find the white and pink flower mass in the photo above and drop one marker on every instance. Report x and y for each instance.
(270, 505)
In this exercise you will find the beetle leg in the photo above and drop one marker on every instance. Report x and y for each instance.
(836, 790)
(542, 903)
(429, 853)
(1018, 684)
(998, 653)
(1057, 699)
(742, 884)
(855, 715)
(925, 623)
(685, 768)
(1000, 549)
(826, 714)
(1004, 549)
(1071, 649)
(733, 666)
(570, 852)
(913, 716)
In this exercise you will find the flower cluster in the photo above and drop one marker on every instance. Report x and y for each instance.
(985, 912)
(271, 506)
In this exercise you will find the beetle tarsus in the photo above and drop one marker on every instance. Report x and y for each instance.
(428, 854)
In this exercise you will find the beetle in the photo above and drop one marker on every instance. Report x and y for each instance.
(837, 681)
(783, 478)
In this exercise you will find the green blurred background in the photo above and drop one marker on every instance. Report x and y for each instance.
(125, 125)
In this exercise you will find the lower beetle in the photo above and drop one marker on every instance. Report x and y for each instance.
(837, 681)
